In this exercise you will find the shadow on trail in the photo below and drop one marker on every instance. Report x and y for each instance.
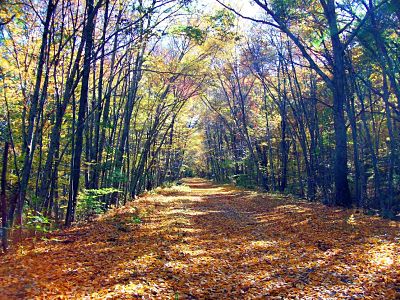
(215, 242)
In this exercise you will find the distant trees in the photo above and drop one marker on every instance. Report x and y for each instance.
(92, 95)
(328, 73)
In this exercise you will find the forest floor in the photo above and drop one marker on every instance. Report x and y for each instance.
(203, 241)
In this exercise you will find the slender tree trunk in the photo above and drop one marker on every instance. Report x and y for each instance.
(33, 113)
(97, 147)
(386, 204)
(3, 197)
(371, 148)
(83, 100)
(356, 159)
(269, 138)
(69, 89)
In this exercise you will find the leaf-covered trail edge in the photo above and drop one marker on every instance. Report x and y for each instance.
(203, 241)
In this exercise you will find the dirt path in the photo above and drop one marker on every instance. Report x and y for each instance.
(201, 241)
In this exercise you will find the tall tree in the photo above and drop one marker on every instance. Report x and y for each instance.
(83, 100)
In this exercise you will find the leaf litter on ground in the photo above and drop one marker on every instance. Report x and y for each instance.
(204, 241)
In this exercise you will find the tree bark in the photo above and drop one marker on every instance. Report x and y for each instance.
(83, 100)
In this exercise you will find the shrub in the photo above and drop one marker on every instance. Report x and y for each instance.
(90, 202)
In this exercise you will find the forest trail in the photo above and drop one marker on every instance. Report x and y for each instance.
(204, 241)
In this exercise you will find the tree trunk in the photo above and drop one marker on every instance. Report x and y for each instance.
(4, 238)
(31, 141)
(83, 100)
(342, 190)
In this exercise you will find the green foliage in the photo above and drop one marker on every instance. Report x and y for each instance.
(90, 203)
(168, 184)
(244, 180)
(35, 201)
(283, 8)
(317, 39)
(222, 23)
(136, 220)
(118, 176)
(35, 221)
(223, 19)
(227, 163)
(106, 125)
(194, 33)
(188, 171)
